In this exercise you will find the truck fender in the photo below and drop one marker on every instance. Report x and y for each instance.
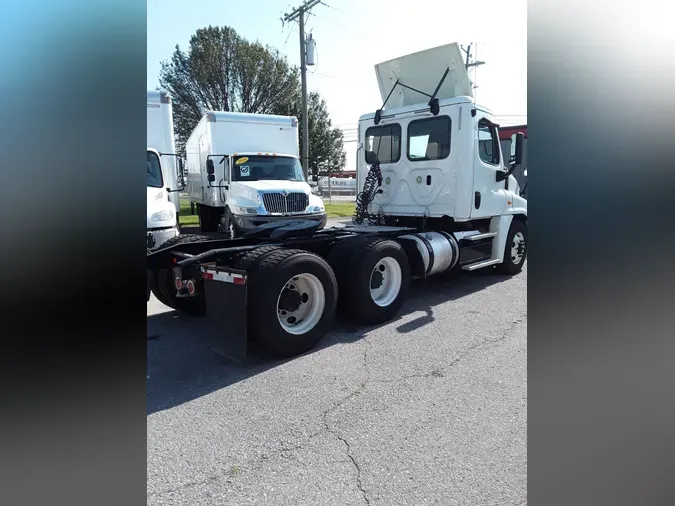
(500, 225)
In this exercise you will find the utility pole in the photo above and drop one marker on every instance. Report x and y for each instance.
(468, 54)
(468, 58)
(299, 13)
(470, 64)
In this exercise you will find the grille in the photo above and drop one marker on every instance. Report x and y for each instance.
(278, 203)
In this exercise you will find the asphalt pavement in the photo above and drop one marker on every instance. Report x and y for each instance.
(428, 409)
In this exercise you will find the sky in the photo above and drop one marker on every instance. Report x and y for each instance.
(353, 35)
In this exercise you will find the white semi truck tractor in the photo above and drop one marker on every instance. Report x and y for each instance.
(436, 196)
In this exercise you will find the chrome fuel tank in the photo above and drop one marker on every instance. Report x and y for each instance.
(438, 252)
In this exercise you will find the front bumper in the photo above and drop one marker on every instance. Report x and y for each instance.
(158, 236)
(245, 223)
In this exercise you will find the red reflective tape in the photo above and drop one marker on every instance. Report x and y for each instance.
(226, 277)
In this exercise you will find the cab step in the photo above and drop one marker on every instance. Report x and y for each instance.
(480, 265)
(480, 237)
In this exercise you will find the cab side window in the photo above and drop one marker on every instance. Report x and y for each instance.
(385, 142)
(488, 143)
(429, 139)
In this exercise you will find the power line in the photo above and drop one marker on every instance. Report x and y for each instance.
(335, 8)
(289, 35)
(330, 21)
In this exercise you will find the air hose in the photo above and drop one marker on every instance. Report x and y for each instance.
(363, 199)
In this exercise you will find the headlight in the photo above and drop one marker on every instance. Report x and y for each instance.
(317, 209)
(246, 210)
(162, 216)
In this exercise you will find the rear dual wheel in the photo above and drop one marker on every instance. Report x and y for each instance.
(292, 299)
(373, 277)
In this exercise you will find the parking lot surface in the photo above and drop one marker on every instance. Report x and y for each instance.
(430, 408)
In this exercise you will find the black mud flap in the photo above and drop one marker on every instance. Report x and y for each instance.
(225, 292)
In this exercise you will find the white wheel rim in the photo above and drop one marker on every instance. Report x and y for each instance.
(517, 248)
(387, 278)
(312, 302)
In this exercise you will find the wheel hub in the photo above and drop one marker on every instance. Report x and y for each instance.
(385, 281)
(301, 304)
(518, 248)
(377, 279)
(290, 300)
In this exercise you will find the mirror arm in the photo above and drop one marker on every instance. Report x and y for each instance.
(503, 175)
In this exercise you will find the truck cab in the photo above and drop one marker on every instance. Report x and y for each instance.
(265, 187)
(161, 217)
(441, 161)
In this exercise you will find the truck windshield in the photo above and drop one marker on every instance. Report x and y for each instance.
(261, 168)
(154, 169)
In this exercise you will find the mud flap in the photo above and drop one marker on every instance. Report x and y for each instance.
(225, 292)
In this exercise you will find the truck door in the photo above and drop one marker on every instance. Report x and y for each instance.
(490, 196)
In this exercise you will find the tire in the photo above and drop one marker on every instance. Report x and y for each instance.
(163, 288)
(339, 257)
(517, 233)
(270, 275)
(208, 219)
(355, 279)
(250, 259)
(228, 226)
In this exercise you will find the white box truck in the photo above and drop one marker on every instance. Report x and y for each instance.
(243, 171)
(437, 196)
(163, 171)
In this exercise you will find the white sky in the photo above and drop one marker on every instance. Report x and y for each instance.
(352, 36)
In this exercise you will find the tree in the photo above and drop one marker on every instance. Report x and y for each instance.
(222, 71)
(326, 146)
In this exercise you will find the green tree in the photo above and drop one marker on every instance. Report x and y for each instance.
(222, 71)
(326, 143)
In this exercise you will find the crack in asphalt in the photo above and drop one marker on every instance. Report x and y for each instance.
(440, 372)
(249, 463)
(338, 436)
(437, 372)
